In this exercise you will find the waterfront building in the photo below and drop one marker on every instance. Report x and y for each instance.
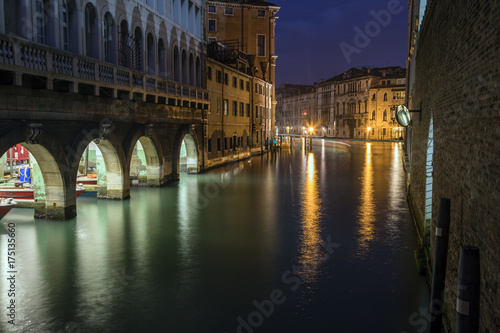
(357, 104)
(241, 34)
(238, 103)
(453, 143)
(325, 91)
(364, 98)
(297, 108)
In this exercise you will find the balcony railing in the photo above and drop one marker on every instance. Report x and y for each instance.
(21, 56)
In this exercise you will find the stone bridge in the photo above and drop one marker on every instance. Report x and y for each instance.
(55, 104)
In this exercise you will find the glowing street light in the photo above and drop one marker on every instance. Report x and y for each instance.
(311, 129)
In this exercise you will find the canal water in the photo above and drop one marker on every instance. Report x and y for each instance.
(293, 242)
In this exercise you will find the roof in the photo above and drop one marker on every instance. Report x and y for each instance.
(390, 72)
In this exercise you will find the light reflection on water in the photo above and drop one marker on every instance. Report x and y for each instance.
(310, 236)
(366, 211)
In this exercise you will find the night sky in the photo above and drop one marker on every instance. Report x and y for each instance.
(309, 35)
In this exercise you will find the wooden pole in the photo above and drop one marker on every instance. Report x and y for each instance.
(468, 290)
(439, 269)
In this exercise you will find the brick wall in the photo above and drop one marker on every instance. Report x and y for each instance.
(458, 83)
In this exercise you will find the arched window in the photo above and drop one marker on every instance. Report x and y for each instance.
(70, 27)
(151, 54)
(65, 25)
(91, 38)
(40, 21)
(124, 46)
(385, 115)
(373, 115)
(198, 72)
(191, 70)
(385, 97)
(109, 38)
(184, 67)
(161, 58)
(138, 49)
(177, 76)
(373, 97)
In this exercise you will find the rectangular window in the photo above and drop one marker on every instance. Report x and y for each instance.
(261, 13)
(261, 45)
(219, 77)
(209, 73)
(228, 11)
(388, 83)
(260, 89)
(235, 82)
(209, 143)
(384, 131)
(212, 39)
(256, 111)
(218, 105)
(218, 144)
(212, 9)
(226, 107)
(212, 25)
(235, 108)
(226, 79)
(242, 109)
(225, 144)
(248, 140)
(383, 83)
(242, 85)
(248, 110)
(248, 86)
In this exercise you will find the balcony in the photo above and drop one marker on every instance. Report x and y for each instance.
(64, 71)
(228, 52)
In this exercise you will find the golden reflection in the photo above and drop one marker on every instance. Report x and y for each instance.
(311, 254)
(366, 212)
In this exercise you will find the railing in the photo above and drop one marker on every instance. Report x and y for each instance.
(20, 55)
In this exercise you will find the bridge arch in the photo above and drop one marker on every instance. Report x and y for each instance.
(144, 160)
(113, 176)
(186, 155)
(59, 199)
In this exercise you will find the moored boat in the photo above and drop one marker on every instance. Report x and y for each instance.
(87, 180)
(5, 206)
(26, 193)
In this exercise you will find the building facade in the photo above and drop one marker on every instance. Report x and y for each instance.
(246, 28)
(159, 38)
(296, 108)
(239, 103)
(453, 148)
(357, 104)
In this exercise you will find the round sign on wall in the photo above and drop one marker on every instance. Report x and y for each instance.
(403, 115)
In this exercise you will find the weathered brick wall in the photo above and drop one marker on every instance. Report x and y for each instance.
(458, 80)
